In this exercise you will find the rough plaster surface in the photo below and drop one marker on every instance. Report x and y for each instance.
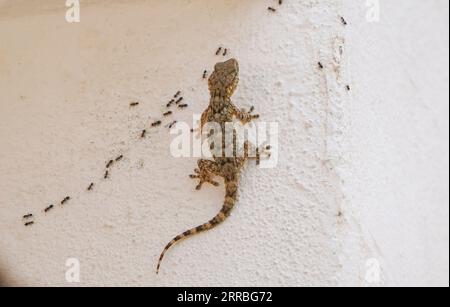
(361, 174)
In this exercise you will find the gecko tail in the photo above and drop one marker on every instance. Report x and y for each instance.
(202, 228)
(230, 201)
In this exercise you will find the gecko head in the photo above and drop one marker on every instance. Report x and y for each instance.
(225, 77)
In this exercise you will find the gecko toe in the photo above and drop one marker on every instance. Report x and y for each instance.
(214, 183)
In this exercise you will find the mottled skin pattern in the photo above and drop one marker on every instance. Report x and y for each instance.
(222, 84)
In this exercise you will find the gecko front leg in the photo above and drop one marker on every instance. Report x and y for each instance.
(245, 117)
(206, 172)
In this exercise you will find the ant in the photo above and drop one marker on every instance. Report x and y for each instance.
(65, 200)
(172, 124)
(170, 103)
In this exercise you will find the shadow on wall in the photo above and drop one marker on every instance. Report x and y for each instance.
(20, 8)
(3, 280)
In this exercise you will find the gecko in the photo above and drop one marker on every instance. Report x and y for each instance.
(222, 84)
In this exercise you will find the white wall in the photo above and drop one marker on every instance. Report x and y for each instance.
(397, 181)
(361, 175)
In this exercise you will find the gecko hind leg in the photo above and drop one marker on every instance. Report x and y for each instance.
(205, 173)
(261, 152)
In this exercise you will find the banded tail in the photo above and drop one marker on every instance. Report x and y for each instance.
(230, 202)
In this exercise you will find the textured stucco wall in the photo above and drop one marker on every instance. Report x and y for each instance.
(361, 174)
(396, 166)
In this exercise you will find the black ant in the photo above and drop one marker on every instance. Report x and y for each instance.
(170, 103)
(172, 124)
(65, 200)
